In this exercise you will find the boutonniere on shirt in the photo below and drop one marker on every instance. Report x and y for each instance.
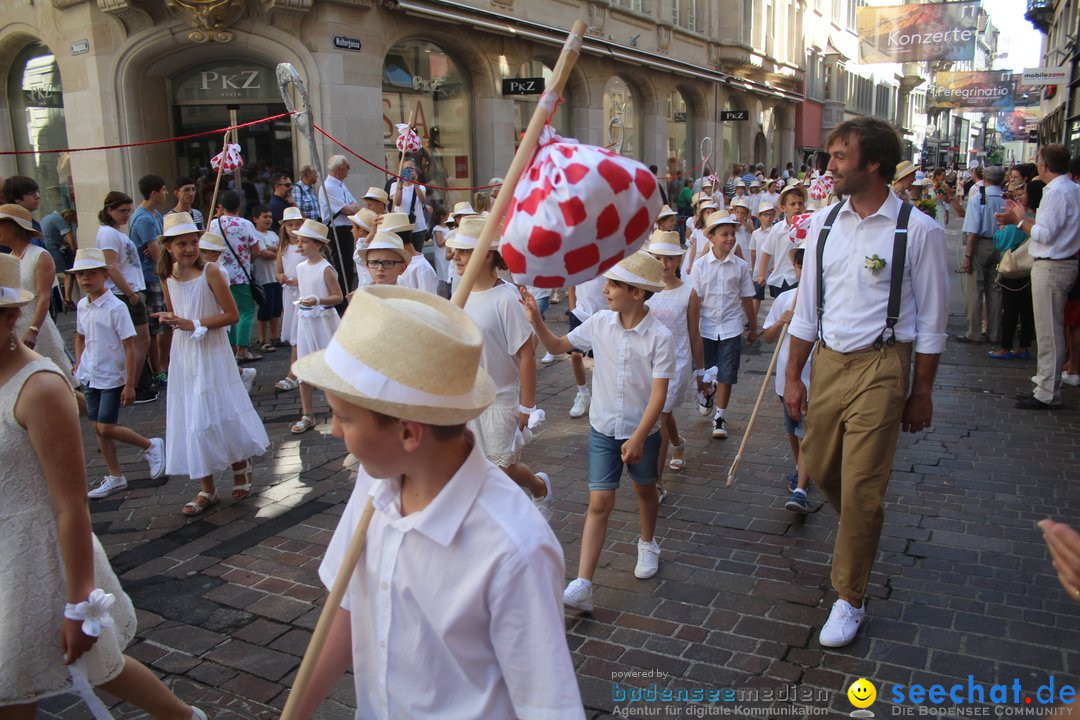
(874, 264)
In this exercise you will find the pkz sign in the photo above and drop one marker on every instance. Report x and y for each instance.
(224, 83)
(523, 86)
(734, 115)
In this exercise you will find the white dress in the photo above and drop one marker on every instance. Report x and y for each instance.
(49, 342)
(315, 326)
(210, 422)
(669, 307)
(35, 589)
(290, 258)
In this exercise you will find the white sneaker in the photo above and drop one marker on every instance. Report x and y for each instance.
(107, 487)
(581, 404)
(544, 504)
(843, 624)
(648, 559)
(197, 714)
(547, 359)
(155, 456)
(1070, 379)
(247, 375)
(578, 595)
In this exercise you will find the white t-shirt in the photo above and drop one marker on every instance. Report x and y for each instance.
(501, 318)
(127, 258)
(266, 269)
(420, 223)
(420, 275)
(442, 265)
(589, 298)
(782, 304)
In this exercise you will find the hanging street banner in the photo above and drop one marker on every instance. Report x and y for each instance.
(1046, 76)
(1018, 124)
(914, 33)
(982, 90)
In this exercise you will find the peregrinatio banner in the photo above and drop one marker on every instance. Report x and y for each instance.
(987, 90)
(912, 33)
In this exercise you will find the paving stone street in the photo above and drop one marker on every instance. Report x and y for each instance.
(963, 584)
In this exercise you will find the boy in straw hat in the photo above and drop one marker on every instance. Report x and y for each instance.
(384, 258)
(722, 281)
(774, 250)
(635, 360)
(453, 610)
(105, 365)
(767, 216)
(376, 200)
(211, 245)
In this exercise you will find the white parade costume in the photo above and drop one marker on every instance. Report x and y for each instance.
(669, 307)
(315, 326)
(290, 258)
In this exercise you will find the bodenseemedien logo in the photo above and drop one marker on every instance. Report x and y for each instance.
(862, 694)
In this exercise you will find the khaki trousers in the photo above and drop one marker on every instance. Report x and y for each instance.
(852, 426)
(1050, 284)
(980, 285)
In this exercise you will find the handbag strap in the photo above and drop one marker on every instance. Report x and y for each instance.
(225, 237)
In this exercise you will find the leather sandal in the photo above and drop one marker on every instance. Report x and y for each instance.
(302, 425)
(242, 491)
(195, 507)
(678, 462)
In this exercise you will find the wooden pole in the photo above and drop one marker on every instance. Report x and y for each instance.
(522, 157)
(221, 165)
(502, 202)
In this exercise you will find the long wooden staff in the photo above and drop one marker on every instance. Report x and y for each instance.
(229, 134)
(760, 397)
(502, 202)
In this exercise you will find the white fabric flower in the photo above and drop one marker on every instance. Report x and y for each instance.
(93, 612)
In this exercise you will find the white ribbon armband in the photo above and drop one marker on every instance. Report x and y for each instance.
(199, 332)
(93, 612)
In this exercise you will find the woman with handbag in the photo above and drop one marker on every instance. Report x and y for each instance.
(240, 241)
(1016, 291)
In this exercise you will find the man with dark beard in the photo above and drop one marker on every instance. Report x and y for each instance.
(875, 292)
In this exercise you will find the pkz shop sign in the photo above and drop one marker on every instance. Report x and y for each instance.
(226, 82)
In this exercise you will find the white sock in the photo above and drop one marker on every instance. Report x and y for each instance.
(588, 583)
(584, 389)
(719, 413)
(799, 491)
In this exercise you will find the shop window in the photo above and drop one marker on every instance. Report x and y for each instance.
(525, 105)
(36, 99)
(423, 83)
(680, 134)
(732, 144)
(619, 102)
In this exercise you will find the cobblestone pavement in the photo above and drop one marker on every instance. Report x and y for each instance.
(962, 586)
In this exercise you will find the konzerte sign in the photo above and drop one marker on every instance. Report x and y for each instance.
(912, 33)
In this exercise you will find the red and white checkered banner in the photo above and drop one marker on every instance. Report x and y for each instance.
(408, 141)
(230, 157)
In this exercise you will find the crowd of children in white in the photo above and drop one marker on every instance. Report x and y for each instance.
(664, 324)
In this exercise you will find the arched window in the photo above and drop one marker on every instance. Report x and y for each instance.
(36, 99)
(421, 81)
(619, 102)
(525, 105)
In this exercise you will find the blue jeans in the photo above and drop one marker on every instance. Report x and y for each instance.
(606, 465)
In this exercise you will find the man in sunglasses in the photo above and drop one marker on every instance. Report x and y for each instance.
(281, 199)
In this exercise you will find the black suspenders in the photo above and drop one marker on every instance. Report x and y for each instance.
(899, 257)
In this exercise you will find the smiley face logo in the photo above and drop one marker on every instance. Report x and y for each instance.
(862, 693)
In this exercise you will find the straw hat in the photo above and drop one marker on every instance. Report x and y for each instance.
(364, 218)
(292, 213)
(179, 223)
(664, 242)
(20, 216)
(739, 202)
(385, 241)
(468, 233)
(395, 222)
(88, 259)
(212, 242)
(791, 188)
(665, 212)
(388, 340)
(717, 219)
(708, 205)
(706, 183)
(640, 270)
(740, 183)
(765, 207)
(754, 184)
(695, 199)
(11, 292)
(375, 193)
(462, 208)
(314, 230)
(903, 169)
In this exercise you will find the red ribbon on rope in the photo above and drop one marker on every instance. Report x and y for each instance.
(178, 138)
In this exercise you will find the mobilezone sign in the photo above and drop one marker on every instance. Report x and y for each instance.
(914, 33)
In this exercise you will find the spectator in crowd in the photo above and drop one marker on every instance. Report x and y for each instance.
(145, 228)
(336, 204)
(24, 191)
(1016, 292)
(58, 227)
(303, 193)
(184, 190)
(979, 264)
(281, 198)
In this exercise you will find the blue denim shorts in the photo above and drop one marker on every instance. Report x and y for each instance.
(725, 355)
(606, 465)
(103, 406)
(791, 426)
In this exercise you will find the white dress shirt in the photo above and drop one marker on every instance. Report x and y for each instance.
(104, 324)
(778, 244)
(420, 275)
(856, 298)
(781, 305)
(339, 196)
(589, 298)
(757, 245)
(1056, 233)
(627, 361)
(457, 609)
(721, 285)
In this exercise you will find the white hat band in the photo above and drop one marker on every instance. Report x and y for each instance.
(665, 249)
(465, 242)
(8, 294)
(368, 381)
(621, 274)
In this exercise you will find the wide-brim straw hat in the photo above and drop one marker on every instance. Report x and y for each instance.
(212, 242)
(765, 207)
(20, 216)
(468, 233)
(717, 219)
(640, 270)
(385, 241)
(364, 218)
(88, 259)
(376, 193)
(666, 212)
(664, 242)
(462, 208)
(180, 223)
(11, 292)
(903, 169)
(292, 213)
(396, 223)
(314, 230)
(381, 357)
